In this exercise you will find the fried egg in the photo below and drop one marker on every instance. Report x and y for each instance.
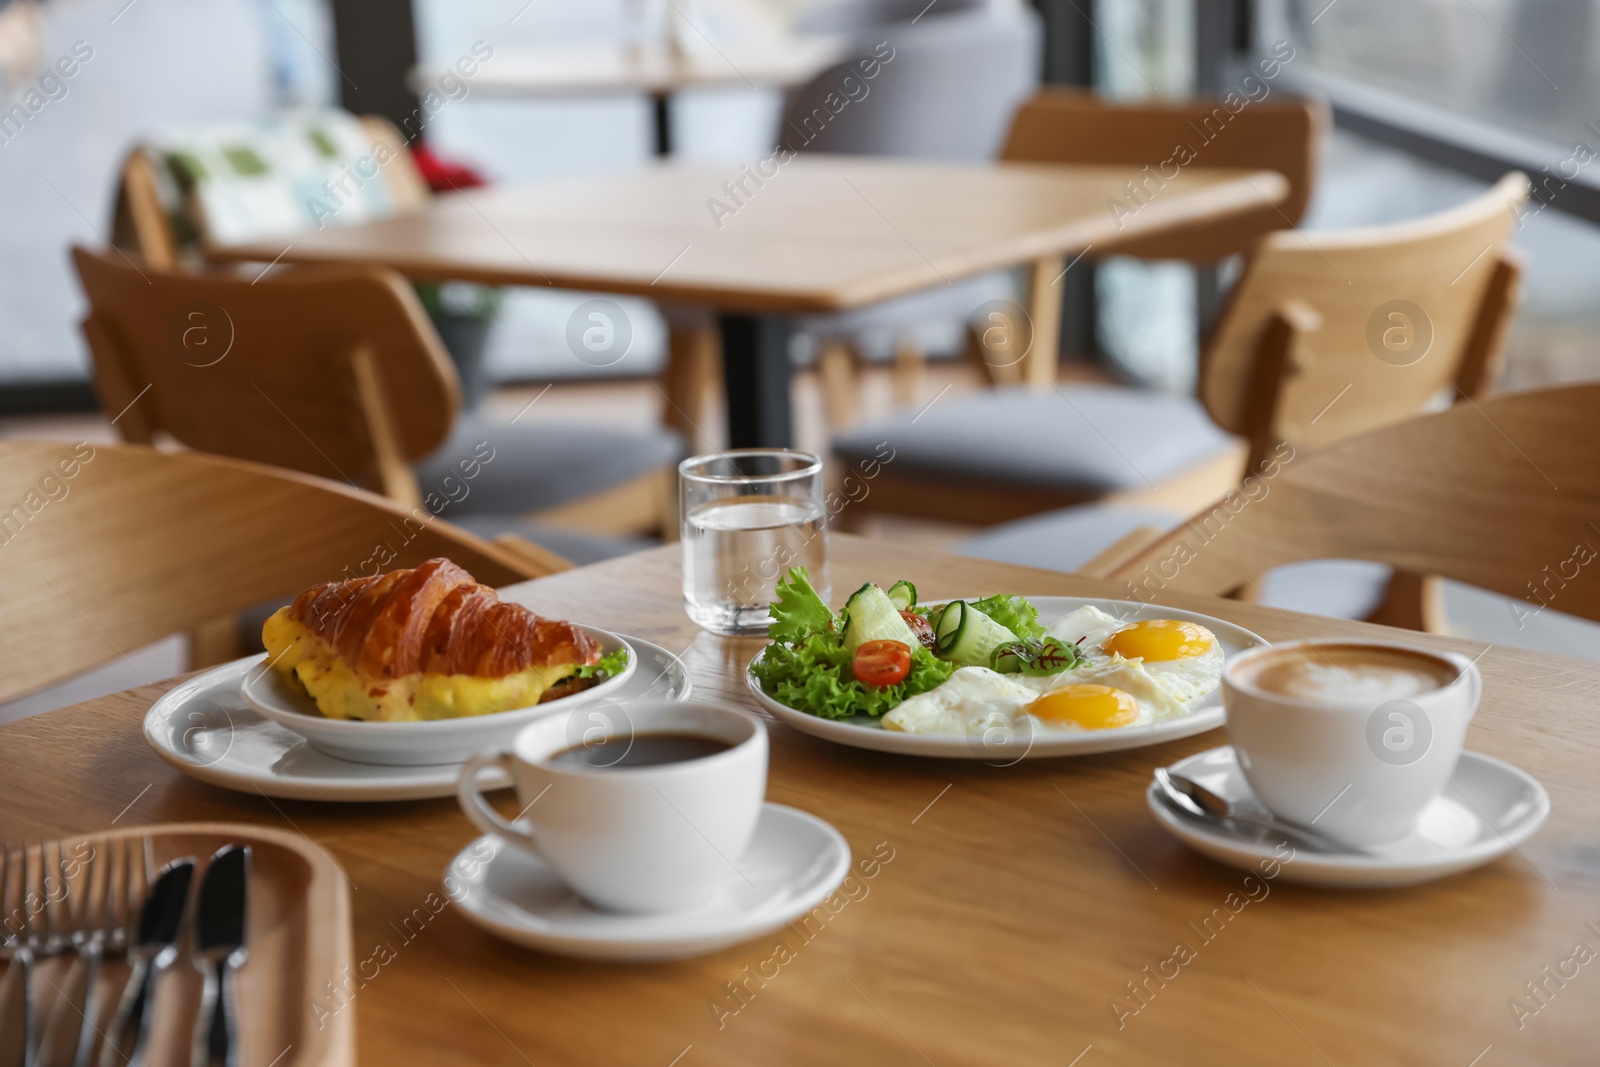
(1183, 658)
(971, 701)
(1086, 707)
(1133, 674)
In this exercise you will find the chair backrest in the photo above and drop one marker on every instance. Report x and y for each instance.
(1283, 135)
(1503, 494)
(939, 88)
(334, 372)
(106, 548)
(1329, 334)
(160, 210)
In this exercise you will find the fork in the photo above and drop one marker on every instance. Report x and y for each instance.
(34, 927)
(113, 887)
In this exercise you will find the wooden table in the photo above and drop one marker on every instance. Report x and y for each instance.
(1010, 909)
(818, 234)
(658, 70)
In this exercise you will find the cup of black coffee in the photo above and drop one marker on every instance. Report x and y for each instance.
(639, 807)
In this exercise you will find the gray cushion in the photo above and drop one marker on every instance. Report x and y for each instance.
(1341, 588)
(1081, 439)
(522, 466)
(1065, 540)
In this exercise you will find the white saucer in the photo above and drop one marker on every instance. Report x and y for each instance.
(1486, 810)
(794, 861)
(205, 729)
(412, 744)
(863, 731)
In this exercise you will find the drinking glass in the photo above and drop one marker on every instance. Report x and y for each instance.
(748, 516)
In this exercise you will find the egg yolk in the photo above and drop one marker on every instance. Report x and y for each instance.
(1093, 707)
(1159, 639)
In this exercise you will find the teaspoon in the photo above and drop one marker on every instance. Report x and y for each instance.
(1190, 796)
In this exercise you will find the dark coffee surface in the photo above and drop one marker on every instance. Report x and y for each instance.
(640, 750)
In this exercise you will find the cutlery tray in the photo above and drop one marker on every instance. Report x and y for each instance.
(298, 939)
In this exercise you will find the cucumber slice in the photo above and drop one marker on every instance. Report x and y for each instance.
(967, 636)
(903, 593)
(872, 616)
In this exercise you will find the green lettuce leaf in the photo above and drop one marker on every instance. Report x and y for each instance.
(798, 612)
(608, 666)
(1015, 613)
(814, 676)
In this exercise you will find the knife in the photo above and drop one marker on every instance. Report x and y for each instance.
(219, 947)
(153, 950)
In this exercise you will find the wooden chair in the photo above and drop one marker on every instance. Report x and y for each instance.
(337, 372)
(1074, 126)
(141, 223)
(1503, 494)
(1324, 335)
(107, 548)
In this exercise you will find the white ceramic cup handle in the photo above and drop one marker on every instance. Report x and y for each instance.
(1470, 669)
(478, 810)
(1477, 685)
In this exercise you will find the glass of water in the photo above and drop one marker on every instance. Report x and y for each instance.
(748, 516)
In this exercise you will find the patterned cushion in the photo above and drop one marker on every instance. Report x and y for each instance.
(293, 171)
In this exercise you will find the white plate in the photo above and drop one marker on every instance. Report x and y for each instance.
(206, 730)
(413, 744)
(791, 865)
(1486, 810)
(863, 731)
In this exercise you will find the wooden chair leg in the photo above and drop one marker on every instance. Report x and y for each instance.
(991, 355)
(852, 519)
(395, 477)
(1412, 601)
(1042, 364)
(666, 491)
(215, 642)
(840, 375)
(693, 366)
(910, 369)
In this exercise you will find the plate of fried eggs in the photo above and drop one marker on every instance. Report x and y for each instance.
(1147, 674)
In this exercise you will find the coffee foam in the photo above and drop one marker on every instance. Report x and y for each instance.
(1366, 674)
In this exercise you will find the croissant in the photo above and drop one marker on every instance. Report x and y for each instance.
(425, 643)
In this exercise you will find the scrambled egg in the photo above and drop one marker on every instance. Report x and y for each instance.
(311, 665)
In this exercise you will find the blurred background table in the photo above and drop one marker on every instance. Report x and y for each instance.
(1010, 909)
(655, 69)
(819, 234)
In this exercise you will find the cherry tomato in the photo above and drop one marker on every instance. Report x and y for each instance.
(922, 628)
(882, 663)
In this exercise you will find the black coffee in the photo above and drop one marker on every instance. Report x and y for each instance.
(640, 750)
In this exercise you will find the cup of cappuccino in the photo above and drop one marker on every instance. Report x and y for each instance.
(1350, 738)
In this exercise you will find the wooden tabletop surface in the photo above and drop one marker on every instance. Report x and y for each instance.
(574, 70)
(819, 233)
(1009, 908)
